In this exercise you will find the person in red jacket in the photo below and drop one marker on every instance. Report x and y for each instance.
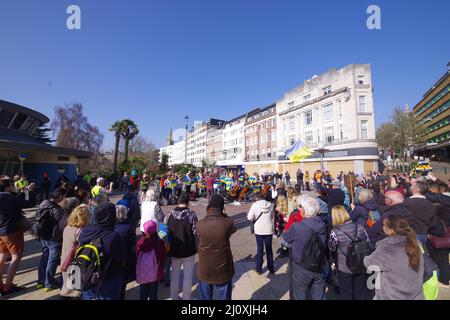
(294, 217)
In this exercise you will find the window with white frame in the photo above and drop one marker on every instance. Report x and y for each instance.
(329, 135)
(291, 140)
(274, 122)
(362, 103)
(274, 136)
(360, 79)
(291, 123)
(308, 137)
(364, 129)
(328, 112)
(307, 98)
(308, 118)
(291, 104)
(326, 90)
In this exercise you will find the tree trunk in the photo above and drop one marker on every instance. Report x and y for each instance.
(116, 152)
(127, 141)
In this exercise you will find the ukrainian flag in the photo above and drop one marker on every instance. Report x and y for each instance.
(297, 152)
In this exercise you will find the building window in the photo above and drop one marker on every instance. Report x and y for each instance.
(274, 123)
(326, 90)
(308, 118)
(291, 140)
(364, 129)
(307, 98)
(329, 135)
(328, 112)
(360, 79)
(291, 123)
(362, 103)
(339, 108)
(342, 133)
(274, 136)
(291, 104)
(308, 137)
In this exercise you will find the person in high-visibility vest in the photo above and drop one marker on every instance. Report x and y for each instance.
(21, 184)
(99, 188)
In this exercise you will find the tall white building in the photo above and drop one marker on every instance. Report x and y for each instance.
(175, 152)
(334, 110)
(233, 143)
(197, 137)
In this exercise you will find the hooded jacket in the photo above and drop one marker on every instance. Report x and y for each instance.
(134, 213)
(397, 280)
(58, 214)
(113, 247)
(265, 223)
(215, 260)
(181, 223)
(360, 214)
(299, 234)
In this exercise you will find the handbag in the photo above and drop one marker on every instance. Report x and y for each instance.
(71, 255)
(441, 242)
(252, 226)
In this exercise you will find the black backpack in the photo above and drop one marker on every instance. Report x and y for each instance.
(313, 255)
(357, 250)
(91, 261)
(45, 223)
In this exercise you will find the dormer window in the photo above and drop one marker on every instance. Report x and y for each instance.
(326, 90)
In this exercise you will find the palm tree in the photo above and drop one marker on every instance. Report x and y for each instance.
(118, 128)
(130, 130)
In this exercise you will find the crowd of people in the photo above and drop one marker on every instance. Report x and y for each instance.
(394, 227)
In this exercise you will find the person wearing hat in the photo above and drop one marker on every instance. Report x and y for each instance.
(149, 271)
(113, 249)
(215, 260)
(99, 187)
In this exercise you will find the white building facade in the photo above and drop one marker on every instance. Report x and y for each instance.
(197, 137)
(233, 143)
(334, 110)
(176, 152)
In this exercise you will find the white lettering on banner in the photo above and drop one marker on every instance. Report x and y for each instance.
(374, 20)
(74, 20)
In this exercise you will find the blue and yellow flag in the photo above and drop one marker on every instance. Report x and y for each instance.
(297, 152)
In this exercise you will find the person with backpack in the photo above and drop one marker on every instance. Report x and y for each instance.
(13, 224)
(127, 233)
(307, 240)
(78, 219)
(181, 223)
(215, 260)
(49, 231)
(366, 212)
(398, 262)
(151, 256)
(101, 276)
(350, 244)
(261, 215)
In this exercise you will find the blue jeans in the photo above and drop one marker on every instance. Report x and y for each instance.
(110, 290)
(261, 242)
(305, 281)
(149, 291)
(207, 290)
(50, 258)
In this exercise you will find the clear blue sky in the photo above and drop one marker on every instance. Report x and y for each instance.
(155, 61)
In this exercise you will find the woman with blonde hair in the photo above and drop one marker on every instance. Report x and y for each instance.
(344, 232)
(77, 220)
(281, 214)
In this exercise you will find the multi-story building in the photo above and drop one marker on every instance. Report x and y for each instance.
(260, 135)
(335, 112)
(175, 151)
(432, 113)
(214, 147)
(197, 136)
(233, 143)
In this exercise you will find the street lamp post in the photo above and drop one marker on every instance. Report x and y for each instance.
(322, 151)
(186, 120)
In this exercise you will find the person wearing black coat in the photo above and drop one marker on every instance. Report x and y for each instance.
(394, 201)
(335, 197)
(114, 259)
(49, 230)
